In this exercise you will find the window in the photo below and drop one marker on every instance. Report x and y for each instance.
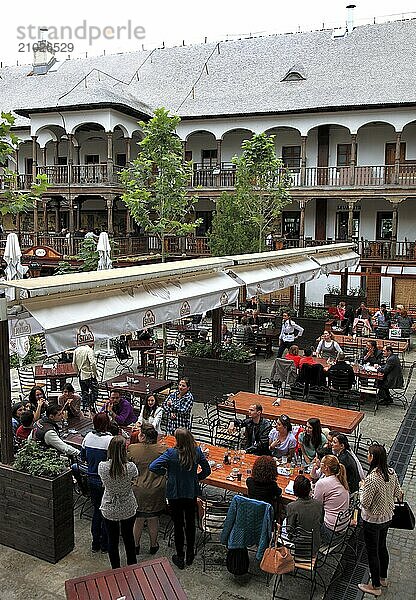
(62, 160)
(28, 166)
(291, 224)
(209, 158)
(92, 159)
(188, 155)
(291, 157)
(384, 226)
(343, 155)
(121, 160)
(341, 225)
(295, 73)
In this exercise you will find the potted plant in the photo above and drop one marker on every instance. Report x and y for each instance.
(215, 371)
(354, 297)
(36, 506)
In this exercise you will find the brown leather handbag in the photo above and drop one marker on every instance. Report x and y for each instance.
(277, 559)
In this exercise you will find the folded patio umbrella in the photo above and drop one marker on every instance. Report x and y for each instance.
(104, 249)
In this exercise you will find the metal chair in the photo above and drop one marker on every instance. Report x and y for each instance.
(201, 430)
(27, 380)
(211, 524)
(266, 387)
(101, 361)
(123, 356)
(400, 395)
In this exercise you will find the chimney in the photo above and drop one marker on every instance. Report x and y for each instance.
(43, 53)
(350, 17)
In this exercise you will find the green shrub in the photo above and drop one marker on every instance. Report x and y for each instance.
(41, 462)
(230, 353)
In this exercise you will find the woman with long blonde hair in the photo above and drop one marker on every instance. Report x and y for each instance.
(180, 464)
(119, 504)
(332, 491)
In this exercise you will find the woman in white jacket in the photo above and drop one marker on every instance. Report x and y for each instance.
(151, 412)
(290, 330)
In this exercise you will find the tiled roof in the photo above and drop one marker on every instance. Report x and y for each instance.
(373, 65)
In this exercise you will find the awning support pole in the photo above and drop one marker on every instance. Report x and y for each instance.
(6, 431)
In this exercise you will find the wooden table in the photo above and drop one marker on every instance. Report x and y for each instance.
(59, 373)
(359, 371)
(398, 345)
(141, 386)
(148, 580)
(141, 346)
(341, 419)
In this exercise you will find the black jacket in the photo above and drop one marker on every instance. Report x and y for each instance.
(257, 435)
(353, 477)
(341, 367)
(392, 373)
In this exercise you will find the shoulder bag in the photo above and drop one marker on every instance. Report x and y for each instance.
(403, 517)
(277, 559)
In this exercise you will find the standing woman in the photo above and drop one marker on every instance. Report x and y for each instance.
(378, 492)
(311, 439)
(290, 330)
(178, 405)
(328, 347)
(119, 503)
(181, 465)
(149, 488)
(151, 412)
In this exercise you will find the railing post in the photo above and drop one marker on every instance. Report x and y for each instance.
(353, 158)
(110, 216)
(110, 161)
(397, 157)
(304, 139)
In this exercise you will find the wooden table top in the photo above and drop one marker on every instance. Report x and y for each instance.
(149, 580)
(58, 371)
(359, 370)
(400, 345)
(341, 419)
(142, 345)
(141, 385)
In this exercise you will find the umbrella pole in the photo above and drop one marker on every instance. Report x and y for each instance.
(6, 430)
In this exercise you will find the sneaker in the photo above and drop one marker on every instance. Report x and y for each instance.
(368, 588)
(154, 549)
(178, 561)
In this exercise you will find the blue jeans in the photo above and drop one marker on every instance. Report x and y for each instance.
(98, 530)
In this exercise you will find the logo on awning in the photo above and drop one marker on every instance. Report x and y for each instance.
(149, 319)
(21, 328)
(224, 299)
(185, 309)
(84, 335)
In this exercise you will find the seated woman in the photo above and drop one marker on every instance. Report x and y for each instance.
(340, 313)
(307, 358)
(17, 410)
(71, 401)
(149, 488)
(362, 314)
(151, 412)
(404, 322)
(293, 354)
(311, 439)
(332, 492)
(304, 512)
(36, 395)
(262, 483)
(282, 442)
(341, 448)
(382, 317)
(328, 347)
(371, 354)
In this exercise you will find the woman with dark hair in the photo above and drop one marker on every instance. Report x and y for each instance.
(332, 492)
(378, 492)
(93, 451)
(282, 442)
(181, 466)
(36, 395)
(290, 330)
(149, 488)
(328, 347)
(305, 512)
(17, 410)
(311, 439)
(371, 354)
(151, 412)
(262, 484)
(293, 355)
(119, 504)
(341, 449)
(178, 406)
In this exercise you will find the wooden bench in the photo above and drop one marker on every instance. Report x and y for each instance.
(149, 580)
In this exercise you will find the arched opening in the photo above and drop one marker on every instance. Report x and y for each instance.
(231, 144)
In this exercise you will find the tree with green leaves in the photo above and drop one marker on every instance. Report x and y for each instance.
(87, 259)
(12, 200)
(243, 220)
(157, 179)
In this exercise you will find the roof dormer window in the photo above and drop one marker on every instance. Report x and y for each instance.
(295, 73)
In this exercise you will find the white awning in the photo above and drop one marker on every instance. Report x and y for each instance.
(336, 261)
(275, 275)
(102, 315)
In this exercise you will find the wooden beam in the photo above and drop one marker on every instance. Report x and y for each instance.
(6, 431)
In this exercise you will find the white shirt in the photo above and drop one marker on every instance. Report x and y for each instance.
(287, 333)
(84, 362)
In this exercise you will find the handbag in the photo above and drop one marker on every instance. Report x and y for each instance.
(403, 517)
(277, 559)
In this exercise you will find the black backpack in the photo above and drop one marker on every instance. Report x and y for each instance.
(237, 561)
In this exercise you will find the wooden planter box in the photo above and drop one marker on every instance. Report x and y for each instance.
(334, 299)
(36, 514)
(211, 377)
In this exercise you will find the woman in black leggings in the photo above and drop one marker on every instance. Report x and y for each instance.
(181, 465)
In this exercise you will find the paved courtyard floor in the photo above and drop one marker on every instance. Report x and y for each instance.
(23, 577)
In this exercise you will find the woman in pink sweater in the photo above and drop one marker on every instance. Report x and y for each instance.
(332, 491)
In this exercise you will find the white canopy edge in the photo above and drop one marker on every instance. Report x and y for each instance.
(276, 275)
(105, 314)
(336, 261)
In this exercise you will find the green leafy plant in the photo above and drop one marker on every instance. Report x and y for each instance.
(313, 312)
(38, 461)
(31, 357)
(230, 353)
(356, 291)
(333, 289)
